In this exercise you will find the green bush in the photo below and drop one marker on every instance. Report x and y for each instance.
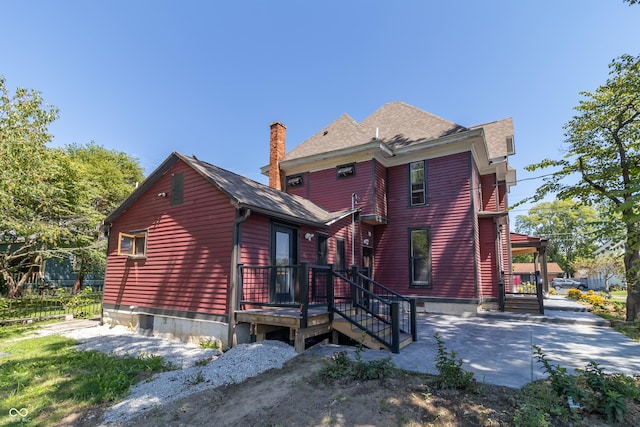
(341, 366)
(450, 371)
(594, 389)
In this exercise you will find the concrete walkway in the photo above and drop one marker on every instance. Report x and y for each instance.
(497, 346)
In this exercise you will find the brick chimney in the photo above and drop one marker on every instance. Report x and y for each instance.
(276, 153)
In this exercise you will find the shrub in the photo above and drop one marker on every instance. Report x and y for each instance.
(593, 389)
(574, 294)
(593, 299)
(450, 371)
(341, 366)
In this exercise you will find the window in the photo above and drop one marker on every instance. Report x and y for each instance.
(295, 181)
(344, 171)
(420, 254)
(340, 254)
(133, 244)
(418, 183)
(322, 250)
(177, 188)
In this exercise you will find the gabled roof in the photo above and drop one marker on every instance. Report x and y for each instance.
(398, 125)
(499, 137)
(243, 192)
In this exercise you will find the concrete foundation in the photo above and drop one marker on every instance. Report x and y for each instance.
(453, 308)
(186, 330)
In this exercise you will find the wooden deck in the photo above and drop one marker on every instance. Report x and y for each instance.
(270, 319)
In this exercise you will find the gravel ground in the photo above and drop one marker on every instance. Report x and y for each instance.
(234, 366)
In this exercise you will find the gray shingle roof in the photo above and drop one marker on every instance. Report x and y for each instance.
(398, 125)
(243, 192)
(496, 134)
(254, 195)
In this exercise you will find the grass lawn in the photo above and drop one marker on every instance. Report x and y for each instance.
(48, 379)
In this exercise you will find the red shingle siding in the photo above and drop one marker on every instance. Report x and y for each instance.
(448, 214)
(188, 249)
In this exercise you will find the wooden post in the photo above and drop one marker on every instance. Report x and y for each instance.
(330, 293)
(414, 322)
(395, 327)
(303, 292)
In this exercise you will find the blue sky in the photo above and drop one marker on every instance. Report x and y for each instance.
(207, 78)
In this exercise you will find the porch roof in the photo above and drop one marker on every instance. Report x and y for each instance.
(523, 244)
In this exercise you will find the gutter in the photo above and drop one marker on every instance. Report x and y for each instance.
(233, 288)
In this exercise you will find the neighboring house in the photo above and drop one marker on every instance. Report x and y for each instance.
(526, 272)
(418, 201)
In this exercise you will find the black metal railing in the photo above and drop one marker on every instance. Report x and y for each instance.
(520, 285)
(50, 304)
(379, 311)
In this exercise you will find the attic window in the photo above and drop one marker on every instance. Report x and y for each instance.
(133, 244)
(295, 181)
(346, 170)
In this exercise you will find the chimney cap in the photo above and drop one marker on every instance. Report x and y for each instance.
(277, 123)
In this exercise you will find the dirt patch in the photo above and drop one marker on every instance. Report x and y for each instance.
(295, 396)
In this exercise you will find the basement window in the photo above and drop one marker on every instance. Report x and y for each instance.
(344, 171)
(133, 244)
(294, 181)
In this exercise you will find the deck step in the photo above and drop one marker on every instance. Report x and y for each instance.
(355, 333)
(522, 304)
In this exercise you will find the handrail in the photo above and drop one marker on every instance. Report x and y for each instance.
(374, 310)
(410, 326)
(302, 286)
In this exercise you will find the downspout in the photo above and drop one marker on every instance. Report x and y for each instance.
(107, 233)
(233, 288)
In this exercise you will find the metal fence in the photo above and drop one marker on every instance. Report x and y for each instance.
(50, 304)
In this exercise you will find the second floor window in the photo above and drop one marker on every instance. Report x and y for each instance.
(418, 183)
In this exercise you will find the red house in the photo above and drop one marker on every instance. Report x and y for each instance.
(361, 225)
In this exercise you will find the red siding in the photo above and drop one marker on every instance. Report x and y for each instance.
(489, 196)
(488, 266)
(188, 249)
(301, 190)
(381, 190)
(449, 216)
(255, 240)
(334, 194)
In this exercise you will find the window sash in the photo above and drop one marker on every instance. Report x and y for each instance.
(418, 183)
(132, 244)
(420, 254)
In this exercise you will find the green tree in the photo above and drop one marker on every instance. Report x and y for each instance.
(569, 226)
(607, 266)
(32, 204)
(604, 152)
(53, 201)
(104, 179)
